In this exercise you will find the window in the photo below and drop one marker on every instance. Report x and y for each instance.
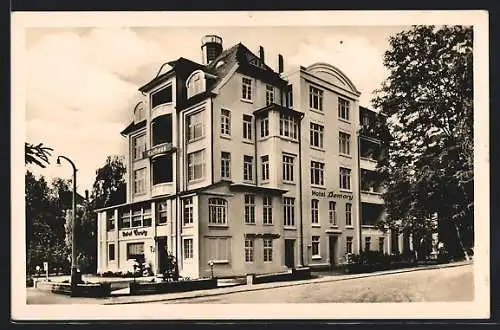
(368, 241)
(162, 96)
(269, 94)
(195, 84)
(162, 169)
(140, 181)
(345, 178)
(161, 129)
(315, 246)
(246, 89)
(264, 126)
(188, 211)
(268, 250)
(111, 252)
(138, 216)
(288, 168)
(225, 122)
(332, 214)
(188, 248)
(196, 165)
(218, 249)
(267, 210)
(289, 126)
(247, 168)
(162, 213)
(316, 135)
(110, 220)
(344, 143)
(381, 241)
(125, 219)
(217, 211)
(135, 251)
(265, 167)
(195, 126)
(289, 97)
(343, 109)
(317, 173)
(139, 143)
(250, 209)
(348, 214)
(289, 211)
(348, 244)
(315, 98)
(249, 250)
(247, 127)
(315, 211)
(225, 165)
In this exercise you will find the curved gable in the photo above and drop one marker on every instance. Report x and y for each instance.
(195, 83)
(333, 75)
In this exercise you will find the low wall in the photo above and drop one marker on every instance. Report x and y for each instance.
(138, 288)
(94, 290)
(293, 275)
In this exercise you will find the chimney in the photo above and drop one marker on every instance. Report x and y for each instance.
(280, 63)
(211, 47)
(261, 53)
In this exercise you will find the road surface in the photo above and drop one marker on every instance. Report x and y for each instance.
(446, 284)
(433, 285)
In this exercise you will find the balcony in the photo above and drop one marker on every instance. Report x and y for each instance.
(368, 163)
(162, 109)
(160, 189)
(371, 197)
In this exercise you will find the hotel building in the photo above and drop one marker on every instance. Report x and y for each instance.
(254, 170)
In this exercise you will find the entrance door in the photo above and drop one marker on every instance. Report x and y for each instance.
(289, 252)
(332, 243)
(161, 251)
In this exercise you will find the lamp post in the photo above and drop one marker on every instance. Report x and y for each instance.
(75, 278)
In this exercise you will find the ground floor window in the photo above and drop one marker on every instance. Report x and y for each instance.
(188, 248)
(348, 245)
(249, 246)
(111, 252)
(135, 251)
(368, 241)
(315, 246)
(268, 250)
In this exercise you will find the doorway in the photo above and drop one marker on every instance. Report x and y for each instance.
(161, 254)
(332, 249)
(289, 253)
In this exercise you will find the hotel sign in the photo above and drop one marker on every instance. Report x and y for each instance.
(332, 194)
(159, 150)
(135, 232)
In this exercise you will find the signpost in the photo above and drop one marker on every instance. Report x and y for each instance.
(46, 269)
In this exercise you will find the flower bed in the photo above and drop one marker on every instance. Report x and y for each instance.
(138, 288)
(94, 290)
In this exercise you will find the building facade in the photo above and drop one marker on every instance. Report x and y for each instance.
(234, 164)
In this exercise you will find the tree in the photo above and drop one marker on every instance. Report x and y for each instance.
(38, 154)
(109, 186)
(428, 103)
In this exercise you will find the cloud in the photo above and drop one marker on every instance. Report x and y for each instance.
(81, 91)
(352, 54)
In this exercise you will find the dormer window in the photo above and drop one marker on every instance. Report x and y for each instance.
(163, 96)
(139, 114)
(195, 83)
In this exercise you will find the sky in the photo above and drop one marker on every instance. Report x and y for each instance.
(82, 83)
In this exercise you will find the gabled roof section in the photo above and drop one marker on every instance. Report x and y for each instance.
(132, 127)
(180, 63)
(333, 75)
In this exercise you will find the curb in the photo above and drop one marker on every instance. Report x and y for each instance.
(265, 286)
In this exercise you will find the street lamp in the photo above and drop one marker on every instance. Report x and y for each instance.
(75, 276)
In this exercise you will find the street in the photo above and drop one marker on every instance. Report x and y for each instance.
(445, 284)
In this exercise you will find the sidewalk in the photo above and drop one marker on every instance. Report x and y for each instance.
(242, 288)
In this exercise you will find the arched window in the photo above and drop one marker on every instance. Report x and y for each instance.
(217, 211)
(195, 83)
